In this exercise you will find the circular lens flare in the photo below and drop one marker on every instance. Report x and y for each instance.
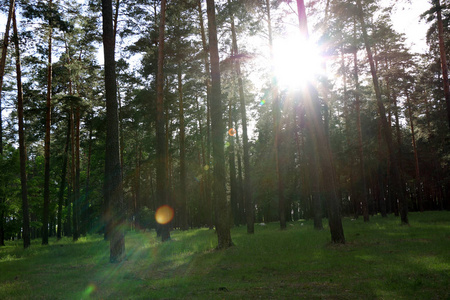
(164, 214)
(232, 131)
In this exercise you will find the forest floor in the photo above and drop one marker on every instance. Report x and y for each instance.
(381, 260)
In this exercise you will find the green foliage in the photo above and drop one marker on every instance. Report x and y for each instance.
(380, 260)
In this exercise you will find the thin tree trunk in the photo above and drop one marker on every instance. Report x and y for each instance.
(249, 208)
(113, 171)
(2, 72)
(4, 51)
(77, 199)
(218, 131)
(22, 149)
(63, 181)
(386, 128)
(277, 130)
(87, 223)
(47, 136)
(444, 66)
(72, 180)
(416, 155)
(183, 204)
(209, 202)
(241, 217)
(232, 162)
(354, 196)
(362, 172)
(202, 163)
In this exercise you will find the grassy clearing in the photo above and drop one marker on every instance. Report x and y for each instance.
(381, 260)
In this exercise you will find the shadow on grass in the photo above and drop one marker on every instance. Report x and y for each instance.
(380, 260)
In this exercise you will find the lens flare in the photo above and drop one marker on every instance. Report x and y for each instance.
(232, 131)
(262, 102)
(164, 214)
(206, 167)
(90, 289)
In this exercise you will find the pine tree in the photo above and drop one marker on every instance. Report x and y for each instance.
(113, 170)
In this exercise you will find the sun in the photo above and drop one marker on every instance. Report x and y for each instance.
(296, 61)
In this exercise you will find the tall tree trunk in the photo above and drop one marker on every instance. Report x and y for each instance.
(218, 131)
(113, 170)
(2, 72)
(161, 151)
(249, 207)
(68, 225)
(63, 181)
(87, 223)
(324, 150)
(22, 149)
(416, 155)
(77, 199)
(209, 202)
(443, 57)
(72, 180)
(4, 50)
(349, 150)
(202, 163)
(362, 173)
(116, 19)
(183, 203)
(232, 163)
(241, 217)
(314, 167)
(276, 111)
(386, 128)
(48, 120)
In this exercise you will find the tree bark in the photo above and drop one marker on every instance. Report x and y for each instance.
(87, 223)
(63, 181)
(77, 199)
(218, 131)
(183, 203)
(322, 139)
(276, 112)
(48, 120)
(4, 52)
(113, 171)
(249, 207)
(443, 57)
(209, 203)
(72, 179)
(416, 155)
(161, 151)
(2, 72)
(232, 162)
(362, 172)
(385, 126)
(22, 149)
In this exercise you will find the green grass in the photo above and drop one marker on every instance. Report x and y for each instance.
(381, 260)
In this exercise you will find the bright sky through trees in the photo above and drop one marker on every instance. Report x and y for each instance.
(296, 61)
(406, 18)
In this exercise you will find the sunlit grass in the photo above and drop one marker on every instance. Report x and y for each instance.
(380, 260)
